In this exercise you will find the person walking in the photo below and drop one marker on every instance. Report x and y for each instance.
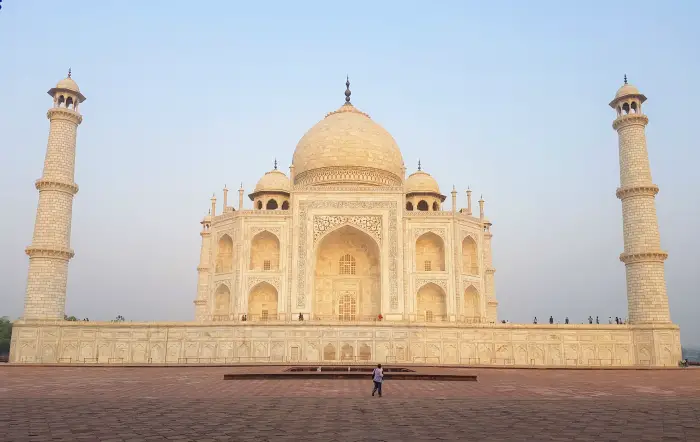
(378, 377)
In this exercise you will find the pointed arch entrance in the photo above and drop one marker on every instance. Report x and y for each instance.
(347, 276)
(472, 310)
(262, 302)
(432, 303)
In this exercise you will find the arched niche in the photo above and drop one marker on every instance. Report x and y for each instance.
(471, 304)
(347, 353)
(365, 352)
(430, 253)
(431, 302)
(265, 252)
(329, 352)
(271, 204)
(347, 276)
(423, 206)
(436, 206)
(224, 254)
(262, 302)
(222, 300)
(409, 206)
(470, 257)
(285, 205)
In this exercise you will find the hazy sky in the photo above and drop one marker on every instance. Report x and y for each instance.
(510, 98)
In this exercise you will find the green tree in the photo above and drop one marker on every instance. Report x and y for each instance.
(5, 334)
(69, 318)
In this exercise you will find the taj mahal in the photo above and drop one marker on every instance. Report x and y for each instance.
(348, 257)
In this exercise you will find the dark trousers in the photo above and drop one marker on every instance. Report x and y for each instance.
(377, 387)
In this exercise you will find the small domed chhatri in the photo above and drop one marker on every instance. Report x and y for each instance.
(67, 88)
(273, 181)
(344, 260)
(347, 147)
(272, 191)
(422, 191)
(421, 181)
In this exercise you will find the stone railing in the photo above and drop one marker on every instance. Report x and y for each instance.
(282, 318)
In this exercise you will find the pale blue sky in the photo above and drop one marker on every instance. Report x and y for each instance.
(508, 97)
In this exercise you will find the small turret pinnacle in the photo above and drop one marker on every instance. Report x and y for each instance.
(347, 90)
(625, 78)
(69, 72)
(419, 164)
(275, 163)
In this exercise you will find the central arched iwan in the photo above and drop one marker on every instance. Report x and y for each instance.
(347, 276)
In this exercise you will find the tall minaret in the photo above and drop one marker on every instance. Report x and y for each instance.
(200, 310)
(50, 250)
(644, 260)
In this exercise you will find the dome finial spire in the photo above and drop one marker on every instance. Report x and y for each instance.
(419, 164)
(347, 89)
(625, 78)
(275, 163)
(69, 72)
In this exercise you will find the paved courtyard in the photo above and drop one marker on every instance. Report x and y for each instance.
(151, 404)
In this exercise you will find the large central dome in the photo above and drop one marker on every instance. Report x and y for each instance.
(347, 147)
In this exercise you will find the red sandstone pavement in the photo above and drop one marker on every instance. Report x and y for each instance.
(196, 404)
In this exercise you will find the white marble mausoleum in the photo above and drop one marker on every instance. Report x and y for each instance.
(346, 258)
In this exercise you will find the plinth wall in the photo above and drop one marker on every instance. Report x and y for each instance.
(304, 342)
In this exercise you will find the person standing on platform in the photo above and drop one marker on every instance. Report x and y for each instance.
(378, 377)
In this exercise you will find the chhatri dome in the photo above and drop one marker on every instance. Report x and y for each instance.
(627, 89)
(68, 85)
(348, 147)
(421, 182)
(273, 181)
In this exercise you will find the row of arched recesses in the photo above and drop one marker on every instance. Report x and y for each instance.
(629, 107)
(431, 304)
(423, 206)
(347, 353)
(264, 253)
(271, 204)
(430, 254)
(262, 303)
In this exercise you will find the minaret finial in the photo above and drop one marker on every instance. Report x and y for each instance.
(347, 89)
(625, 78)
(419, 164)
(275, 163)
(69, 72)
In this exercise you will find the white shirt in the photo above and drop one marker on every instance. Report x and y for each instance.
(378, 374)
